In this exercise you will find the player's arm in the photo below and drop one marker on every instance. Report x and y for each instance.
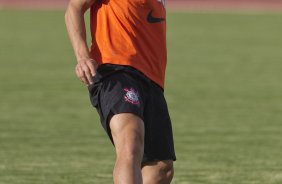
(74, 18)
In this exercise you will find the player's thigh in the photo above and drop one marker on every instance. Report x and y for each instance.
(128, 132)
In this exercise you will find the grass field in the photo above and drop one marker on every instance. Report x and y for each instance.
(223, 88)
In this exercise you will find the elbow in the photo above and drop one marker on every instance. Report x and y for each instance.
(66, 16)
(68, 12)
(73, 10)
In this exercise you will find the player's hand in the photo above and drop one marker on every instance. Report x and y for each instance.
(85, 70)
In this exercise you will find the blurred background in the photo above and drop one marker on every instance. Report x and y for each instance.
(223, 87)
(171, 4)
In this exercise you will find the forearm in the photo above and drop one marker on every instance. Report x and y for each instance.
(75, 24)
(74, 17)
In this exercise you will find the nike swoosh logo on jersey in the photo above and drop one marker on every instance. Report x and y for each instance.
(152, 19)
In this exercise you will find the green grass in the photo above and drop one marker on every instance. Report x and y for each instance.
(223, 88)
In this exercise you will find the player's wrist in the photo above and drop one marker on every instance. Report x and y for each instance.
(85, 59)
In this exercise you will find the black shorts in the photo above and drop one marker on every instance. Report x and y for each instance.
(122, 89)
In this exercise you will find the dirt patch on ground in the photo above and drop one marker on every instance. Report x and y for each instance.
(193, 5)
(34, 4)
(226, 5)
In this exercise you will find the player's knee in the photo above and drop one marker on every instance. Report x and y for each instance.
(162, 173)
(169, 174)
(166, 171)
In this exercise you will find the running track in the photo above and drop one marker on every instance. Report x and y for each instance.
(193, 5)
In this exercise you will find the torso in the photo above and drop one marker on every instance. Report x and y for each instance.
(131, 33)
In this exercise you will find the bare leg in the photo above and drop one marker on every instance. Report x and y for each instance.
(160, 172)
(128, 135)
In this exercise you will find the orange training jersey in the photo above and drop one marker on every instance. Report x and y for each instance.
(131, 33)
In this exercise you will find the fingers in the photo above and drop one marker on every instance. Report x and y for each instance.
(85, 70)
(80, 75)
(91, 67)
(87, 74)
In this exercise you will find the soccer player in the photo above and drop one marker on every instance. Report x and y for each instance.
(124, 71)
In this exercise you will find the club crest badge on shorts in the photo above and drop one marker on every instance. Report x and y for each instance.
(131, 96)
